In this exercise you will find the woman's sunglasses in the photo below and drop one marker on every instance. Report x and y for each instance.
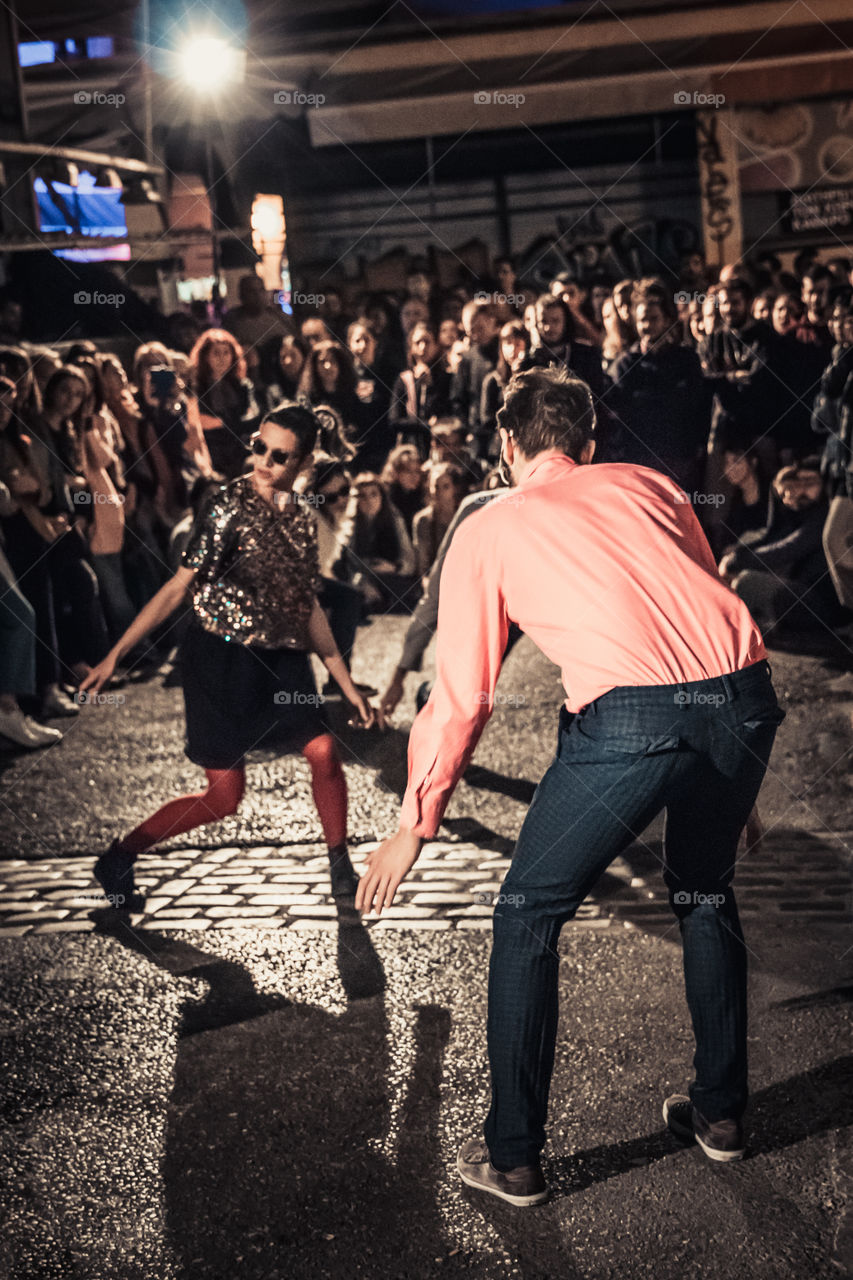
(278, 457)
(335, 495)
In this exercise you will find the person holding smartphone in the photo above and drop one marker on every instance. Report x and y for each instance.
(250, 571)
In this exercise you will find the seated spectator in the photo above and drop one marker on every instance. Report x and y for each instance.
(623, 295)
(449, 444)
(383, 549)
(447, 487)
(748, 509)
(282, 381)
(15, 364)
(780, 572)
(223, 402)
(421, 391)
(335, 500)
(617, 335)
(373, 381)
(329, 378)
(514, 350)
(403, 477)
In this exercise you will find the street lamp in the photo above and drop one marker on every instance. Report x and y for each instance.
(208, 63)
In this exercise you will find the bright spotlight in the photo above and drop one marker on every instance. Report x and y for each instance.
(208, 63)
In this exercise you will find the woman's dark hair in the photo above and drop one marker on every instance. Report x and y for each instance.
(67, 373)
(78, 351)
(327, 469)
(297, 418)
(512, 329)
(421, 324)
(547, 301)
(92, 372)
(16, 364)
(548, 409)
(202, 377)
(383, 535)
(310, 384)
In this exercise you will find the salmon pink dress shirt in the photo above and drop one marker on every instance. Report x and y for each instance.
(608, 572)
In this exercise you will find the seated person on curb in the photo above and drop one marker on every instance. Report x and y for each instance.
(780, 571)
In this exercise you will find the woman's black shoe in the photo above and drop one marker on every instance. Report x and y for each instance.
(343, 876)
(114, 873)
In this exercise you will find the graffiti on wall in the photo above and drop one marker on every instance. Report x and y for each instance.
(645, 246)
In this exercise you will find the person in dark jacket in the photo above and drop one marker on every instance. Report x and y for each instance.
(558, 343)
(481, 323)
(781, 573)
(658, 397)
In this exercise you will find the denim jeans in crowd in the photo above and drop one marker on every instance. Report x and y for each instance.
(699, 750)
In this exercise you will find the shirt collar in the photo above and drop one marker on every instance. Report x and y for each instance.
(546, 466)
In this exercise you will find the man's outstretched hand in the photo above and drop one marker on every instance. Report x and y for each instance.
(386, 867)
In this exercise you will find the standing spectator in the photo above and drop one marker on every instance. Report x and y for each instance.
(617, 335)
(832, 418)
(514, 350)
(741, 366)
(817, 284)
(559, 344)
(447, 488)
(255, 320)
(659, 397)
(313, 331)
(466, 392)
(224, 404)
(787, 313)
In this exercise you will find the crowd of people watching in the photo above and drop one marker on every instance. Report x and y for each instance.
(739, 388)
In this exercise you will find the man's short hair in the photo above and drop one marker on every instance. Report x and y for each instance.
(548, 409)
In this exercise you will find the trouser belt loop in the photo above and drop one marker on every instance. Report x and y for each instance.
(730, 687)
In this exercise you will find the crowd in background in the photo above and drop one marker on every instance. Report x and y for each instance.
(740, 388)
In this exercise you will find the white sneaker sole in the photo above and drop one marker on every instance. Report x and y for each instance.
(713, 1153)
(522, 1202)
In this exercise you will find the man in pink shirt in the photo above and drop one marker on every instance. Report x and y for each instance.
(669, 705)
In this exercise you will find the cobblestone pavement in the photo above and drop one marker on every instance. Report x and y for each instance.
(454, 885)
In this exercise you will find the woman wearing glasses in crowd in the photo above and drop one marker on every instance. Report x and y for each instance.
(250, 572)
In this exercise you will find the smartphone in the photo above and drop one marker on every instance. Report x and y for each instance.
(163, 382)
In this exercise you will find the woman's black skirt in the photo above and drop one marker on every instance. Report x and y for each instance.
(241, 698)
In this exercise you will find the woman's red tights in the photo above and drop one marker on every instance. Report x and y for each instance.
(225, 789)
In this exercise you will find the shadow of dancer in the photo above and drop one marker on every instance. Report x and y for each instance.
(276, 1157)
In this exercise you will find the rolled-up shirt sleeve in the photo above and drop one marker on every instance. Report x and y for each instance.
(472, 636)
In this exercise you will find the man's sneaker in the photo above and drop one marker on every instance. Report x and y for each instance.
(523, 1186)
(114, 873)
(719, 1139)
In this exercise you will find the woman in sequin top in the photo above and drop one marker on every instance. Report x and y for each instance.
(251, 572)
